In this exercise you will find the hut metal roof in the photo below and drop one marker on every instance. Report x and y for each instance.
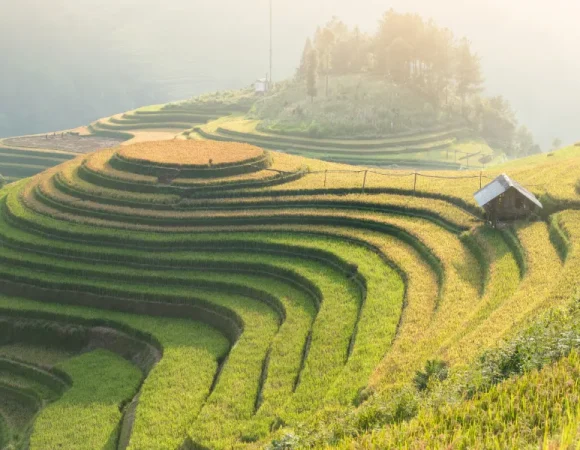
(500, 185)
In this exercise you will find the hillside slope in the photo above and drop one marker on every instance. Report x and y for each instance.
(271, 299)
(389, 126)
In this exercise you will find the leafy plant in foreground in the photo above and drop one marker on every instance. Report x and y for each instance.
(434, 369)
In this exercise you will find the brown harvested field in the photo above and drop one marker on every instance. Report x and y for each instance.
(64, 142)
(190, 153)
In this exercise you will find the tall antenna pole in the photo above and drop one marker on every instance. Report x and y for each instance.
(271, 51)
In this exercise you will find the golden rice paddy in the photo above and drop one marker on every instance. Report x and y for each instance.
(189, 153)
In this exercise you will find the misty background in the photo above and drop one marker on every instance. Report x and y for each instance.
(66, 63)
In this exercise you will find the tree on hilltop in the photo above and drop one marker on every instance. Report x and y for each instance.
(468, 71)
(441, 74)
(398, 60)
(524, 142)
(439, 51)
(303, 68)
(395, 27)
(499, 128)
(535, 150)
(341, 50)
(311, 73)
(405, 48)
(359, 55)
(324, 43)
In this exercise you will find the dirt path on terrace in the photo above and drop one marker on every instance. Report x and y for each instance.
(161, 134)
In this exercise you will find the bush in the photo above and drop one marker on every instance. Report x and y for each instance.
(545, 342)
(398, 406)
(434, 370)
(314, 130)
(287, 442)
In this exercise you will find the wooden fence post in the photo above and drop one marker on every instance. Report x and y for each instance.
(364, 181)
(415, 184)
(480, 174)
(325, 177)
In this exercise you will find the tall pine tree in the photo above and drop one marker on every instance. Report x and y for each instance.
(303, 68)
(468, 71)
(311, 73)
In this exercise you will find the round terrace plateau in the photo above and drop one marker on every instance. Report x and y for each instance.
(169, 160)
(191, 154)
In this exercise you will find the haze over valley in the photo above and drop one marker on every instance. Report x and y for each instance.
(72, 62)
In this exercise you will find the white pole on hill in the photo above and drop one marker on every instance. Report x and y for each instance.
(271, 49)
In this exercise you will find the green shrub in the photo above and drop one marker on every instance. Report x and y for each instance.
(434, 370)
(400, 405)
(543, 343)
(314, 130)
(287, 442)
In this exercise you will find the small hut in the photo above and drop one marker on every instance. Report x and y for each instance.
(261, 86)
(505, 199)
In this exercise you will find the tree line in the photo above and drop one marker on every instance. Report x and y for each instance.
(409, 51)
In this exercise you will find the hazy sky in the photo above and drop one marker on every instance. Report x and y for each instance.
(172, 49)
(530, 50)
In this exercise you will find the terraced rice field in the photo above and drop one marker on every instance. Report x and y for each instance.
(17, 163)
(25, 156)
(172, 119)
(443, 149)
(163, 301)
(430, 150)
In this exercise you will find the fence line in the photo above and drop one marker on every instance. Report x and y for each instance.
(315, 172)
(416, 175)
